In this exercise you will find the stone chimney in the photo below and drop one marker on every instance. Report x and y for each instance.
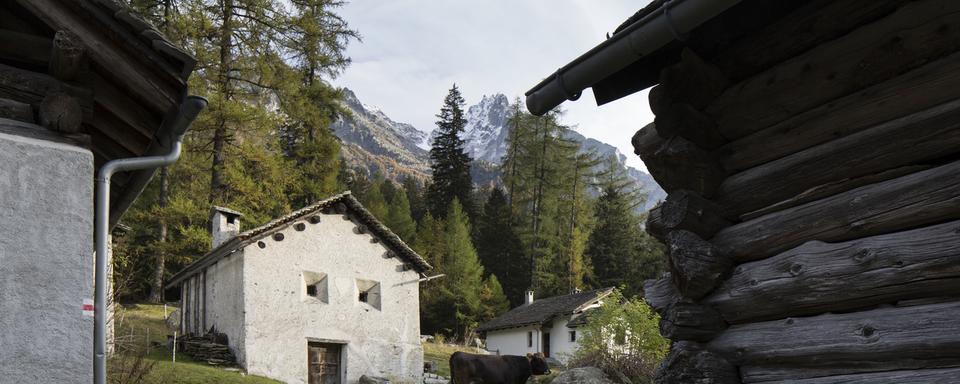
(224, 225)
(529, 299)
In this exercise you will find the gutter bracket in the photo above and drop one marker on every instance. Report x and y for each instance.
(670, 24)
(563, 86)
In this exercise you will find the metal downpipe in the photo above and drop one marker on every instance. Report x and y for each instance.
(188, 112)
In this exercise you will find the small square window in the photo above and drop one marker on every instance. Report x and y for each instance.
(368, 291)
(312, 290)
(529, 339)
(573, 336)
(315, 287)
(364, 296)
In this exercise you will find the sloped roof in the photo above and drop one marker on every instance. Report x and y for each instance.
(343, 203)
(130, 89)
(543, 310)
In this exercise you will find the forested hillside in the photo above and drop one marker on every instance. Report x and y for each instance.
(267, 145)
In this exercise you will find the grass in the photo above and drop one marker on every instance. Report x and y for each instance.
(440, 352)
(140, 324)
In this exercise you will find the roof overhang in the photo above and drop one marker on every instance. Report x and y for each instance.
(617, 58)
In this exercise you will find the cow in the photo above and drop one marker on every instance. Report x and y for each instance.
(467, 368)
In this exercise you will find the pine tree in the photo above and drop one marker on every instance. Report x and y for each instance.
(449, 162)
(464, 273)
(374, 201)
(620, 252)
(414, 192)
(500, 249)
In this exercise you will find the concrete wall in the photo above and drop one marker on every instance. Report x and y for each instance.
(281, 318)
(561, 348)
(513, 341)
(224, 301)
(46, 261)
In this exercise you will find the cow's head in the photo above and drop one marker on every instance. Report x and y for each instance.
(538, 365)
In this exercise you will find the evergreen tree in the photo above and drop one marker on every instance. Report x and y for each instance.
(398, 216)
(494, 302)
(500, 249)
(621, 253)
(414, 192)
(464, 273)
(373, 199)
(448, 160)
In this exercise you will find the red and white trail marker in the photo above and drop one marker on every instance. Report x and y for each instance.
(87, 308)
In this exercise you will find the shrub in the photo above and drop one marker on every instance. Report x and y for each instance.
(622, 338)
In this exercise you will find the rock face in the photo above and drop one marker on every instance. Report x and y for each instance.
(372, 141)
(375, 143)
(586, 375)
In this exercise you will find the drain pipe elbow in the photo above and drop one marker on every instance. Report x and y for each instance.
(189, 110)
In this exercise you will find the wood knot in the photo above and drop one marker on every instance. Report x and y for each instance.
(863, 255)
(898, 264)
(796, 269)
(754, 282)
(866, 331)
(789, 321)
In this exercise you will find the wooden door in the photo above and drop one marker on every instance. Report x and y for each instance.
(323, 363)
(546, 344)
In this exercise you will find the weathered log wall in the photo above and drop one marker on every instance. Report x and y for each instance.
(812, 169)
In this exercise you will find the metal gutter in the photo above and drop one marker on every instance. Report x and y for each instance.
(178, 126)
(654, 31)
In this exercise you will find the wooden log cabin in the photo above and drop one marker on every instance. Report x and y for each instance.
(811, 152)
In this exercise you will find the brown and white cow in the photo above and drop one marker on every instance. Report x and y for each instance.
(467, 368)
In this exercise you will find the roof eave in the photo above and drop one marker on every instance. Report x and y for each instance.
(636, 42)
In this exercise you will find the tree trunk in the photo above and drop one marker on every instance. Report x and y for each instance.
(156, 286)
(220, 133)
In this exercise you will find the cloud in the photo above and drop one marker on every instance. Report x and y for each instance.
(413, 50)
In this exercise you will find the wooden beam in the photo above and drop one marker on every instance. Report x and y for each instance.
(819, 277)
(918, 199)
(677, 163)
(68, 56)
(944, 375)
(15, 110)
(917, 33)
(932, 84)
(914, 139)
(25, 48)
(661, 293)
(692, 81)
(32, 87)
(696, 265)
(686, 210)
(811, 24)
(691, 322)
(683, 120)
(885, 338)
(689, 362)
(833, 188)
(60, 112)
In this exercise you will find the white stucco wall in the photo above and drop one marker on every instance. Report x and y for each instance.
(281, 318)
(224, 302)
(46, 261)
(560, 346)
(513, 341)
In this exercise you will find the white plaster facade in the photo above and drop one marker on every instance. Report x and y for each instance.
(46, 227)
(258, 296)
(514, 341)
(542, 326)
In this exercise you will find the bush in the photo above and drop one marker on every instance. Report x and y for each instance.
(623, 339)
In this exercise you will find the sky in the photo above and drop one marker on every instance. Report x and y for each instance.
(412, 51)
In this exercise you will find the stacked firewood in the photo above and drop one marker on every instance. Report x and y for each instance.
(206, 348)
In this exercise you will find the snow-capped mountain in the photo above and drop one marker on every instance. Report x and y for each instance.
(372, 141)
(486, 132)
(375, 143)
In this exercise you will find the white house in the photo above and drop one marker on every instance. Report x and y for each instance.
(325, 294)
(549, 326)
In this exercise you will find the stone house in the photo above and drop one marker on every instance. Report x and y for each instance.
(811, 152)
(82, 82)
(325, 294)
(549, 325)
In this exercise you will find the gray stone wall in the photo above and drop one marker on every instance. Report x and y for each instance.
(46, 261)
